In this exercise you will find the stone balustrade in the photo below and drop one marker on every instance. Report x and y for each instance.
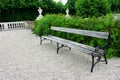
(13, 25)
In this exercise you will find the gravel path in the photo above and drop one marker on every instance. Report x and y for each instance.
(22, 58)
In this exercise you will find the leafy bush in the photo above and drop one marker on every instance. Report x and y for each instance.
(104, 23)
(89, 8)
(42, 26)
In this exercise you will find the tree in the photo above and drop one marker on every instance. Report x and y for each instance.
(71, 6)
(16, 10)
(115, 5)
(59, 8)
(47, 6)
(89, 8)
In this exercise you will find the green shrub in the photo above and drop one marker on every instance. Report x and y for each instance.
(89, 8)
(104, 23)
(42, 26)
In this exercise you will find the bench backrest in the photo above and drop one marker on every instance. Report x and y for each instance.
(103, 35)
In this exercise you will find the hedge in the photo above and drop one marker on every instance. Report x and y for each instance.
(18, 15)
(103, 23)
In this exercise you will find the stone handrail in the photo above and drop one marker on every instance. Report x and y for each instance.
(13, 25)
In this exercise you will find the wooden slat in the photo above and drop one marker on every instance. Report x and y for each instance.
(90, 48)
(81, 47)
(97, 34)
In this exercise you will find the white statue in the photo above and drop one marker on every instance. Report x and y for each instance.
(40, 13)
(67, 12)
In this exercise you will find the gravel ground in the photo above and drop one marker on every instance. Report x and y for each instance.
(22, 58)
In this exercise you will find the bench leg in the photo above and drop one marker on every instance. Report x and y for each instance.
(60, 46)
(98, 60)
(57, 47)
(69, 48)
(92, 63)
(40, 40)
(105, 59)
(51, 41)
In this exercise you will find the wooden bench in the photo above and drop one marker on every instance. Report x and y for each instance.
(98, 52)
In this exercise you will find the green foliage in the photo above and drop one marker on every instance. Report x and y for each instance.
(17, 10)
(71, 6)
(115, 5)
(104, 23)
(18, 15)
(42, 26)
(89, 8)
(115, 41)
(56, 8)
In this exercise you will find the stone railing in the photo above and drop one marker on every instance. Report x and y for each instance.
(30, 24)
(13, 25)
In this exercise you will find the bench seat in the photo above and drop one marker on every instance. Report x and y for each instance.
(83, 48)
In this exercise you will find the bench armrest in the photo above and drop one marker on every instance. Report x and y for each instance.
(104, 47)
